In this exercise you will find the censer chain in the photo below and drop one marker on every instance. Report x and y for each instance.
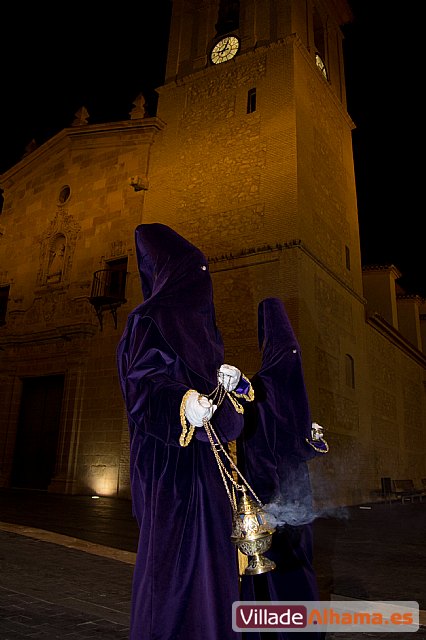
(216, 447)
(217, 396)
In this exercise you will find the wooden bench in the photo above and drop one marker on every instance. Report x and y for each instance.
(406, 491)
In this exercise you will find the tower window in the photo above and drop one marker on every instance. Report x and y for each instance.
(319, 41)
(348, 258)
(4, 299)
(349, 371)
(251, 101)
(321, 65)
(228, 17)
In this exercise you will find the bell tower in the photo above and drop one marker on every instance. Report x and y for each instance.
(197, 25)
(255, 164)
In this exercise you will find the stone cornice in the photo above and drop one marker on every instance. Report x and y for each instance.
(148, 126)
(63, 333)
(265, 249)
(391, 268)
(376, 321)
(413, 297)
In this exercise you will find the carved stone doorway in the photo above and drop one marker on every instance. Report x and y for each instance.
(34, 459)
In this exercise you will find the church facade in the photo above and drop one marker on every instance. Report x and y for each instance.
(249, 156)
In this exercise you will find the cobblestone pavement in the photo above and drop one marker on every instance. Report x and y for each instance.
(50, 591)
(66, 564)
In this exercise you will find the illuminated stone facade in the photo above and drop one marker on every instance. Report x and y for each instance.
(265, 186)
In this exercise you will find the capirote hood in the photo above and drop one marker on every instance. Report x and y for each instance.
(178, 296)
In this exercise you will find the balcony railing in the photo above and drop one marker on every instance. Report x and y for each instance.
(108, 292)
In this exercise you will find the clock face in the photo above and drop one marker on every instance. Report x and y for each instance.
(225, 49)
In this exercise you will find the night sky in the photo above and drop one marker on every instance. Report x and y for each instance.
(58, 57)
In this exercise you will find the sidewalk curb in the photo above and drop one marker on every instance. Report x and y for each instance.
(72, 543)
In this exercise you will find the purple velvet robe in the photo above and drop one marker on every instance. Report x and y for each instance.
(186, 576)
(273, 455)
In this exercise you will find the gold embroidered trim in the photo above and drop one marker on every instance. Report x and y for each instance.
(238, 408)
(217, 397)
(186, 435)
(326, 450)
(249, 396)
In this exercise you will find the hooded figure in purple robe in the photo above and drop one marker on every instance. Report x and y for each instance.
(278, 440)
(186, 575)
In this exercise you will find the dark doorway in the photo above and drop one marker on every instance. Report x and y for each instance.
(38, 430)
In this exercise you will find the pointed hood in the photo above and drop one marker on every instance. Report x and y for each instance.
(178, 296)
(273, 442)
(275, 333)
(281, 373)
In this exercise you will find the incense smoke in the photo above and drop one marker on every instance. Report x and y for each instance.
(295, 513)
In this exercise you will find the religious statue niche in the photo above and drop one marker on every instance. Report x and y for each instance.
(56, 262)
(57, 247)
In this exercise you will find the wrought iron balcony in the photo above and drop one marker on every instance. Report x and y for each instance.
(108, 292)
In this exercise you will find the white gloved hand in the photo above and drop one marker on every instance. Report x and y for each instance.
(317, 431)
(198, 407)
(229, 376)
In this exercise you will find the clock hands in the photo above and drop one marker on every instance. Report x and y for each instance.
(222, 51)
(225, 49)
